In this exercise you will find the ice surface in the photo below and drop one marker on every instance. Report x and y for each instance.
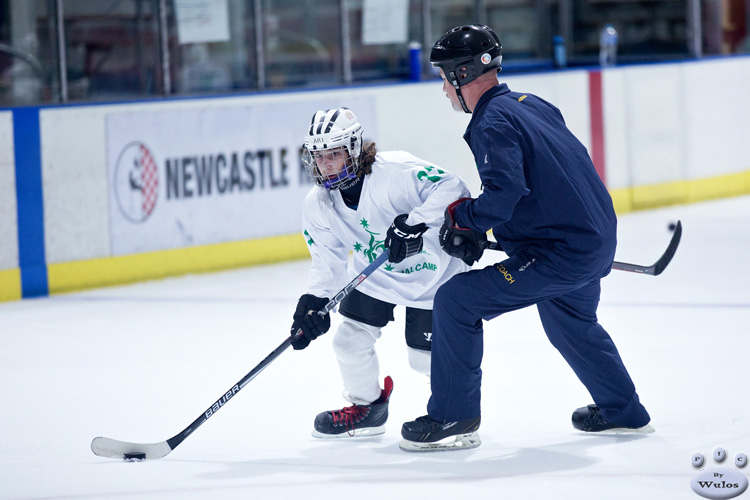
(140, 362)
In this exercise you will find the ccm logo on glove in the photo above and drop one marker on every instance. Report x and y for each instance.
(404, 240)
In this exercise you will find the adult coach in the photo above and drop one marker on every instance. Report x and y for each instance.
(553, 217)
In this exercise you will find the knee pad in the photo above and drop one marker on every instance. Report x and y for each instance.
(353, 338)
(419, 360)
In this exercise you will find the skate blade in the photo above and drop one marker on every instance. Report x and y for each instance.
(646, 429)
(356, 433)
(458, 442)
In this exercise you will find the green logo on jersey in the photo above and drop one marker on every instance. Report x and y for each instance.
(308, 237)
(422, 266)
(371, 252)
(427, 173)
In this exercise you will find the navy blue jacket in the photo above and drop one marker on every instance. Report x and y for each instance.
(540, 191)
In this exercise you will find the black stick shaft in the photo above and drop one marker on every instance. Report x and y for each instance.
(179, 438)
(653, 270)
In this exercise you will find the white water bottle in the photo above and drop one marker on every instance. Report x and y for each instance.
(608, 46)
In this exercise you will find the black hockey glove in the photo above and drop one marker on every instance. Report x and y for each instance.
(404, 240)
(306, 317)
(464, 243)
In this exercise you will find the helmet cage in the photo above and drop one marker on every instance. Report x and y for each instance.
(344, 177)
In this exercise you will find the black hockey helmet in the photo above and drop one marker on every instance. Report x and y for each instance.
(472, 46)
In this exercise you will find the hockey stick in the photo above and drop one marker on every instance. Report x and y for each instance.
(112, 448)
(654, 270)
(657, 267)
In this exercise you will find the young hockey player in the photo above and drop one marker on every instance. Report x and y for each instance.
(553, 217)
(365, 201)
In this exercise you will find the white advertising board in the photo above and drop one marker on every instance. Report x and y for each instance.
(198, 176)
(8, 213)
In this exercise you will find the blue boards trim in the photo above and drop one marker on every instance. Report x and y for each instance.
(28, 156)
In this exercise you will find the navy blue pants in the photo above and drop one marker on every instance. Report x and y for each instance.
(567, 308)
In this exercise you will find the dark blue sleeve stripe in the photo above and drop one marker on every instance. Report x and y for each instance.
(30, 202)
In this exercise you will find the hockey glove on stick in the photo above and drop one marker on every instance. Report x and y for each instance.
(404, 240)
(306, 317)
(464, 243)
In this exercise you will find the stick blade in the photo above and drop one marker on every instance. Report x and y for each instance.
(112, 448)
(665, 259)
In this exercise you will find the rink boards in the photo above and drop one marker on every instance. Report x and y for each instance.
(101, 194)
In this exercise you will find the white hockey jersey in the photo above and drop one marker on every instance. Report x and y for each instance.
(400, 183)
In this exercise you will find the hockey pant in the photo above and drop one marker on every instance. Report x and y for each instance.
(568, 312)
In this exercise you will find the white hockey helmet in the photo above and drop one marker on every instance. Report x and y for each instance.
(333, 129)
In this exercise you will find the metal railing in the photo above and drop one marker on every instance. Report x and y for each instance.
(306, 43)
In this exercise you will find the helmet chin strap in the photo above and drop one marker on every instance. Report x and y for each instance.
(346, 179)
(454, 79)
(338, 182)
(461, 100)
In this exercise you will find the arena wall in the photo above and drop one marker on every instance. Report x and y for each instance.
(103, 194)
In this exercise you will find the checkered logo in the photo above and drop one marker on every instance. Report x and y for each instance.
(136, 182)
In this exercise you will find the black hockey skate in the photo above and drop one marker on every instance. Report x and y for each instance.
(355, 420)
(425, 434)
(590, 419)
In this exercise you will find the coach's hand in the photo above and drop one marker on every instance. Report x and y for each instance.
(464, 243)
